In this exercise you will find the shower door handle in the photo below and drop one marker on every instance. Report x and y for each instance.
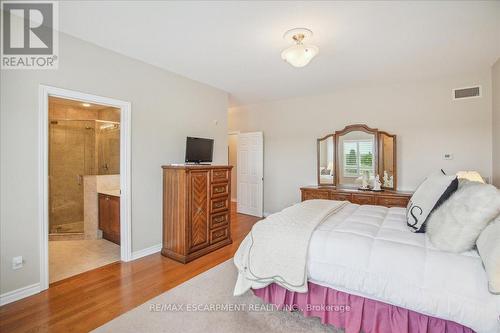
(79, 179)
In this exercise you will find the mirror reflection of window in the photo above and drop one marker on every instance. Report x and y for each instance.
(358, 157)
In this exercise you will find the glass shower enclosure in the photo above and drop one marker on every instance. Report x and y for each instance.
(77, 148)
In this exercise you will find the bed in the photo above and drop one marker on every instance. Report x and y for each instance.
(368, 253)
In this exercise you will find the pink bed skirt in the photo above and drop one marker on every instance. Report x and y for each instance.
(355, 313)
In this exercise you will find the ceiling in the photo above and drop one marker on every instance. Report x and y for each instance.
(236, 46)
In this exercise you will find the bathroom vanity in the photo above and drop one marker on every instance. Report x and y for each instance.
(109, 216)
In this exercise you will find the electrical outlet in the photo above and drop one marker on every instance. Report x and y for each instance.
(448, 156)
(17, 262)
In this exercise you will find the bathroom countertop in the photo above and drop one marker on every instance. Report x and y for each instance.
(115, 192)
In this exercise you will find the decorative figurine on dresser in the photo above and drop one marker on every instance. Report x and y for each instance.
(349, 163)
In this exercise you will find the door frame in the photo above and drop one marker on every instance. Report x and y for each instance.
(232, 180)
(44, 92)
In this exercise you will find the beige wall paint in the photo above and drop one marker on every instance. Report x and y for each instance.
(495, 76)
(233, 156)
(165, 109)
(423, 115)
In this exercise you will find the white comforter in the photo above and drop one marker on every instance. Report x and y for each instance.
(368, 251)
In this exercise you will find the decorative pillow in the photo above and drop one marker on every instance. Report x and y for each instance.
(429, 196)
(488, 245)
(456, 225)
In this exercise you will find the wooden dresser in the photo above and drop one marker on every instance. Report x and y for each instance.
(196, 210)
(387, 198)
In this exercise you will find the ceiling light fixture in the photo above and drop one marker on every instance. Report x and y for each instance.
(299, 54)
(87, 105)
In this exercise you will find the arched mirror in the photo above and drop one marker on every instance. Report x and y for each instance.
(357, 152)
(356, 155)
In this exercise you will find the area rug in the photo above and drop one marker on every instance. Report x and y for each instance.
(206, 304)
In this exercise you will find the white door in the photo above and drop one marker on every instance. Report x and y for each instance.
(250, 173)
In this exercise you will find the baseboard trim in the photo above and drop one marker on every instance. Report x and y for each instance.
(146, 252)
(16, 295)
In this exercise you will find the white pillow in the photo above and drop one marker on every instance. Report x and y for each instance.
(488, 246)
(456, 225)
(434, 190)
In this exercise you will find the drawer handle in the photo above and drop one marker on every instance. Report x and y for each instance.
(219, 189)
(219, 233)
(220, 174)
(219, 219)
(219, 204)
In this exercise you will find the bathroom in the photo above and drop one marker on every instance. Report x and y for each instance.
(84, 187)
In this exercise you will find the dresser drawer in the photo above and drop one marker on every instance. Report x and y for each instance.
(390, 201)
(363, 199)
(219, 220)
(309, 195)
(219, 189)
(220, 175)
(219, 234)
(341, 196)
(219, 204)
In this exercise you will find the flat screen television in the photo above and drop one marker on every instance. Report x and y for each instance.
(199, 150)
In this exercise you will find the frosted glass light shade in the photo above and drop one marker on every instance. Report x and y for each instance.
(299, 55)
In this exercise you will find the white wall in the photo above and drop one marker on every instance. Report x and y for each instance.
(423, 115)
(165, 109)
(495, 78)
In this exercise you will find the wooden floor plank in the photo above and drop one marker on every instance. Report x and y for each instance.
(86, 301)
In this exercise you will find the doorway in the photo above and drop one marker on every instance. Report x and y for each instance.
(246, 153)
(85, 180)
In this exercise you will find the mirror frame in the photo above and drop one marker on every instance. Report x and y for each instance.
(378, 151)
(318, 159)
(394, 159)
(349, 129)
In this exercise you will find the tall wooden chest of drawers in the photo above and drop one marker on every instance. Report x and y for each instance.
(196, 210)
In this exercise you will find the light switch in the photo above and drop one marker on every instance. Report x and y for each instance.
(17, 262)
(448, 156)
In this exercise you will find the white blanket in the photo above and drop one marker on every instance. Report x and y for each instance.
(368, 251)
(275, 250)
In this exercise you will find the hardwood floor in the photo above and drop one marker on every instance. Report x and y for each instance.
(86, 301)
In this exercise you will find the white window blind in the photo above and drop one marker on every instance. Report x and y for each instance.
(358, 157)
